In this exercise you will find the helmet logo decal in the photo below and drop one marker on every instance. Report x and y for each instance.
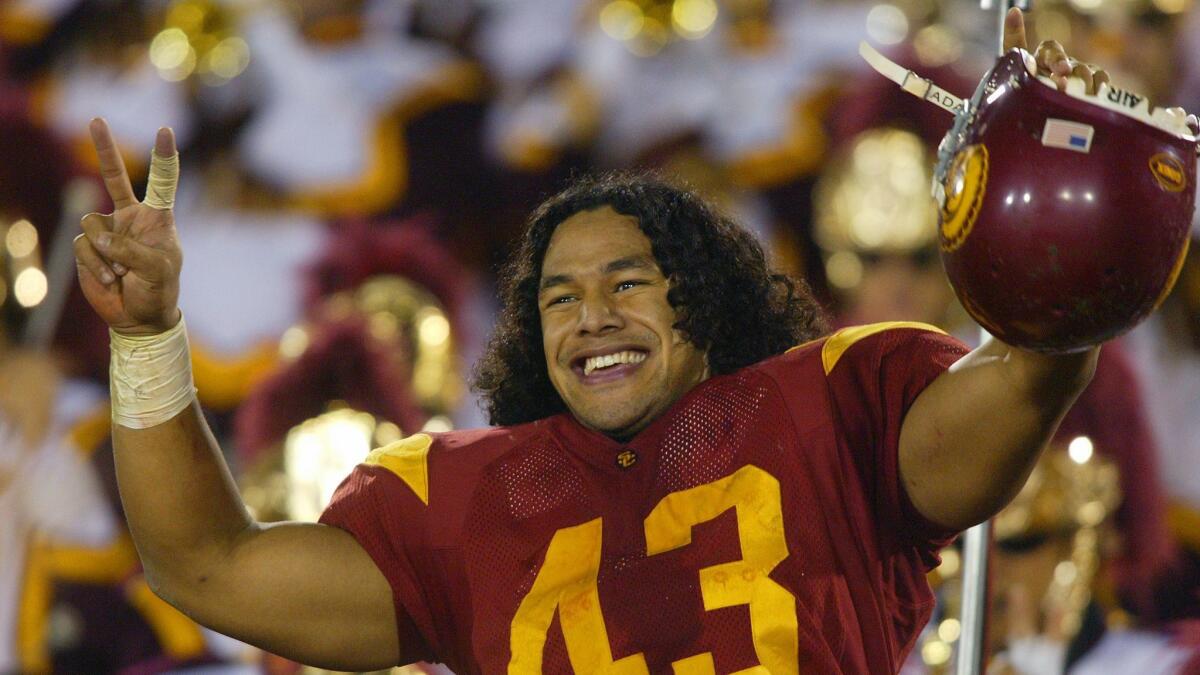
(965, 185)
(1068, 135)
(1169, 172)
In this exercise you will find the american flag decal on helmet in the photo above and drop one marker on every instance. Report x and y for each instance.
(1068, 135)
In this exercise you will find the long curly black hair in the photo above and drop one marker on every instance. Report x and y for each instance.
(728, 301)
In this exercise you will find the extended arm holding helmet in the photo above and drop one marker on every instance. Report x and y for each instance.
(972, 437)
(305, 591)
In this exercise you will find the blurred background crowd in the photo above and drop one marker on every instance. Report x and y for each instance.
(354, 171)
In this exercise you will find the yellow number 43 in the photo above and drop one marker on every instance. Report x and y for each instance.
(567, 584)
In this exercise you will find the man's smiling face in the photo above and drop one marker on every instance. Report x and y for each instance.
(612, 351)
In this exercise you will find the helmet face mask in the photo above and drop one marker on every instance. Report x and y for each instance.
(1064, 217)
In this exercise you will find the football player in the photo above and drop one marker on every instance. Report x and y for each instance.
(675, 487)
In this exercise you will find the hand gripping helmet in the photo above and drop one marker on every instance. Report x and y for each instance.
(1064, 217)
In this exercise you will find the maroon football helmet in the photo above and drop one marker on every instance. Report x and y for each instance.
(1064, 218)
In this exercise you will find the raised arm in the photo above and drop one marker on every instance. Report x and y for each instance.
(971, 438)
(305, 591)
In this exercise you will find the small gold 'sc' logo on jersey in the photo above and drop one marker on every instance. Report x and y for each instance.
(1169, 172)
(626, 458)
(965, 185)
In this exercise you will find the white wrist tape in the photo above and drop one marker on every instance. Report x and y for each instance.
(150, 377)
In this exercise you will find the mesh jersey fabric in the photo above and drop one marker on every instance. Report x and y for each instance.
(761, 521)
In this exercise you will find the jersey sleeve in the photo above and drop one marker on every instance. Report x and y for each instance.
(383, 504)
(874, 374)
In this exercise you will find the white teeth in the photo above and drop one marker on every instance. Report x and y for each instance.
(595, 362)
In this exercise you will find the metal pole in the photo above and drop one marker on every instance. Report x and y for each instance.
(974, 599)
(80, 196)
(976, 541)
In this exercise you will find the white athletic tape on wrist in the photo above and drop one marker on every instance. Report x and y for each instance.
(150, 377)
(164, 177)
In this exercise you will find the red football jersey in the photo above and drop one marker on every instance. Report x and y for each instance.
(759, 526)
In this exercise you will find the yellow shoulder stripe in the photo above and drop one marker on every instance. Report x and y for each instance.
(408, 458)
(839, 342)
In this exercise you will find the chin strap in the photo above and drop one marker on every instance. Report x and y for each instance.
(910, 81)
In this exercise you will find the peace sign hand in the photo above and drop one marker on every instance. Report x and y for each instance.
(129, 261)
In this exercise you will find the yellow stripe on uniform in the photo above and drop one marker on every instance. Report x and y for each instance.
(179, 636)
(33, 612)
(1184, 522)
(46, 563)
(839, 342)
(90, 431)
(224, 381)
(409, 459)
